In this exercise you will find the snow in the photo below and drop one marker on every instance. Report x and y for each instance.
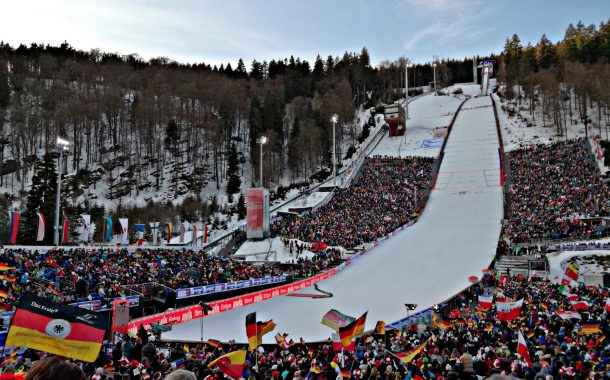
(425, 264)
(269, 250)
(425, 114)
(557, 263)
(310, 200)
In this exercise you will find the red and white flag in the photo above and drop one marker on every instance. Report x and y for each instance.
(523, 351)
(486, 302)
(509, 311)
(338, 346)
(205, 234)
(580, 305)
(608, 305)
(41, 227)
(568, 314)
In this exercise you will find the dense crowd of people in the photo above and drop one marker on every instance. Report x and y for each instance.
(83, 274)
(553, 187)
(384, 197)
(464, 341)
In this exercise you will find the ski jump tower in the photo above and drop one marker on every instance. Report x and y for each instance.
(487, 71)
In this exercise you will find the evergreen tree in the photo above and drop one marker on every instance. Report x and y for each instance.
(41, 198)
(256, 71)
(4, 91)
(241, 206)
(234, 181)
(318, 66)
(240, 70)
(330, 64)
(365, 59)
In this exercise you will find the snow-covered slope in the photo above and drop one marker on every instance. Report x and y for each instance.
(425, 264)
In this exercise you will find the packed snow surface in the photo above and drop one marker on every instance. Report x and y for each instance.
(425, 264)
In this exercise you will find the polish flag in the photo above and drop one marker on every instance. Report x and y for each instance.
(608, 305)
(509, 311)
(568, 314)
(522, 350)
(486, 302)
(580, 305)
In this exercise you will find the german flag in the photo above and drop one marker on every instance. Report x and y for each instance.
(252, 331)
(263, 328)
(214, 343)
(170, 228)
(3, 293)
(10, 278)
(407, 357)
(590, 329)
(56, 328)
(186, 347)
(380, 328)
(529, 335)
(599, 340)
(145, 376)
(441, 324)
(345, 374)
(231, 364)
(310, 352)
(352, 330)
(315, 368)
(110, 366)
(544, 305)
(4, 267)
(302, 341)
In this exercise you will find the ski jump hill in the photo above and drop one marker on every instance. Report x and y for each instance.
(425, 264)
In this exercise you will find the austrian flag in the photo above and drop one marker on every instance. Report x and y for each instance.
(509, 311)
(486, 302)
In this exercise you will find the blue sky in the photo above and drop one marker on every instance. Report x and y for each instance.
(217, 31)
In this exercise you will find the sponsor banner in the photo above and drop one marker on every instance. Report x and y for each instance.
(215, 288)
(577, 247)
(432, 143)
(96, 305)
(192, 312)
(422, 318)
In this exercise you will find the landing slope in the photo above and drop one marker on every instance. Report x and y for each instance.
(425, 264)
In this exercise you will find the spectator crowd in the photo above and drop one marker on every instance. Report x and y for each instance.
(464, 341)
(553, 187)
(384, 197)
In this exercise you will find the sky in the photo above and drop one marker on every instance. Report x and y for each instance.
(215, 31)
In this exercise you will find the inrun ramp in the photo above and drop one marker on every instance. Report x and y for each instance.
(425, 264)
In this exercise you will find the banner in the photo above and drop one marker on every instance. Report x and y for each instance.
(124, 230)
(65, 229)
(108, 233)
(96, 305)
(154, 229)
(181, 230)
(86, 223)
(140, 230)
(169, 232)
(42, 225)
(58, 329)
(194, 239)
(227, 286)
(14, 225)
(335, 319)
(205, 234)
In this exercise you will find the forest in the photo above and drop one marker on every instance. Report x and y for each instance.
(156, 139)
(161, 130)
(569, 80)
